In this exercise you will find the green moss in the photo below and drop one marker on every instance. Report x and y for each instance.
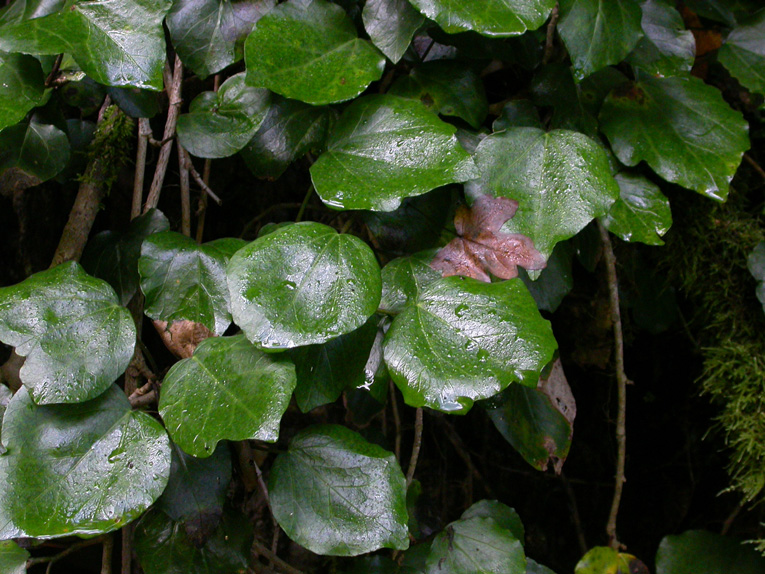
(111, 146)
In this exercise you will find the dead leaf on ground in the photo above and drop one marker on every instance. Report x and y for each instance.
(556, 388)
(182, 337)
(482, 248)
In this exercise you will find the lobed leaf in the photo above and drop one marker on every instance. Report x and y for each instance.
(743, 53)
(23, 85)
(667, 49)
(391, 24)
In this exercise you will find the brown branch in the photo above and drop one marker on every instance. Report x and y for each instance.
(127, 549)
(201, 182)
(173, 88)
(621, 381)
(54, 71)
(756, 166)
(415, 446)
(183, 166)
(267, 498)
(144, 132)
(396, 419)
(106, 554)
(202, 205)
(261, 550)
(550, 39)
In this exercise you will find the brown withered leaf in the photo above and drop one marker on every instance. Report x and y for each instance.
(555, 387)
(482, 248)
(182, 337)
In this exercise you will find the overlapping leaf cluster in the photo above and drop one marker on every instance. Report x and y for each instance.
(390, 99)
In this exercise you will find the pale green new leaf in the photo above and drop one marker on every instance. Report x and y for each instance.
(391, 25)
(75, 335)
(605, 560)
(336, 494)
(228, 390)
(22, 82)
(82, 469)
(743, 53)
(385, 148)
(641, 213)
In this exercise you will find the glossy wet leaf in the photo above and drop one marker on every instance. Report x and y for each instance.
(404, 278)
(560, 179)
(536, 568)
(113, 255)
(324, 371)
(502, 514)
(13, 558)
(84, 469)
(308, 50)
(667, 49)
(303, 284)
(228, 389)
(183, 280)
(76, 337)
(598, 33)
(463, 340)
(336, 494)
(163, 547)
(641, 213)
(289, 130)
(33, 152)
(385, 148)
(555, 281)
(482, 248)
(209, 34)
(681, 127)
(702, 552)
(756, 266)
(391, 24)
(221, 123)
(476, 545)
(489, 17)
(94, 33)
(447, 87)
(604, 560)
(743, 52)
(22, 80)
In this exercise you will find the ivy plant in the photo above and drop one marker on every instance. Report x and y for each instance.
(412, 180)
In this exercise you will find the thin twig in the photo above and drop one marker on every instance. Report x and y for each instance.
(574, 514)
(621, 381)
(275, 560)
(106, 555)
(144, 131)
(264, 491)
(303, 205)
(550, 39)
(755, 165)
(201, 182)
(183, 166)
(731, 517)
(54, 71)
(64, 553)
(396, 419)
(174, 96)
(462, 452)
(202, 204)
(127, 549)
(415, 446)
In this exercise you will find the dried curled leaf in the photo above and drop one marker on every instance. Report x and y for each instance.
(182, 337)
(482, 248)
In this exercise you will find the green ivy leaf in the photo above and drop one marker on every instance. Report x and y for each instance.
(391, 24)
(517, 114)
(743, 53)
(555, 281)
(642, 212)
(325, 371)
(502, 514)
(76, 337)
(535, 568)
(289, 130)
(448, 87)
(183, 280)
(554, 86)
(701, 552)
(336, 494)
(756, 266)
(33, 152)
(164, 547)
(667, 49)
(561, 180)
(82, 469)
(221, 123)
(489, 17)
(209, 34)
(23, 85)
(135, 102)
(598, 33)
(303, 284)
(228, 390)
(404, 278)
(308, 50)
(681, 127)
(384, 149)
(95, 34)
(113, 256)
(13, 558)
(604, 560)
(463, 340)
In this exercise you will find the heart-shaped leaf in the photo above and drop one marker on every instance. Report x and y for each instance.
(22, 80)
(384, 149)
(604, 560)
(336, 494)
(76, 337)
(701, 552)
(681, 127)
(289, 130)
(228, 390)
(303, 284)
(183, 280)
(95, 34)
(561, 180)
(113, 256)
(308, 50)
(463, 340)
(221, 123)
(391, 24)
(598, 33)
(743, 53)
(641, 213)
(78, 469)
(488, 17)
(667, 49)
(404, 278)
(500, 513)
(32, 152)
(209, 34)
(13, 558)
